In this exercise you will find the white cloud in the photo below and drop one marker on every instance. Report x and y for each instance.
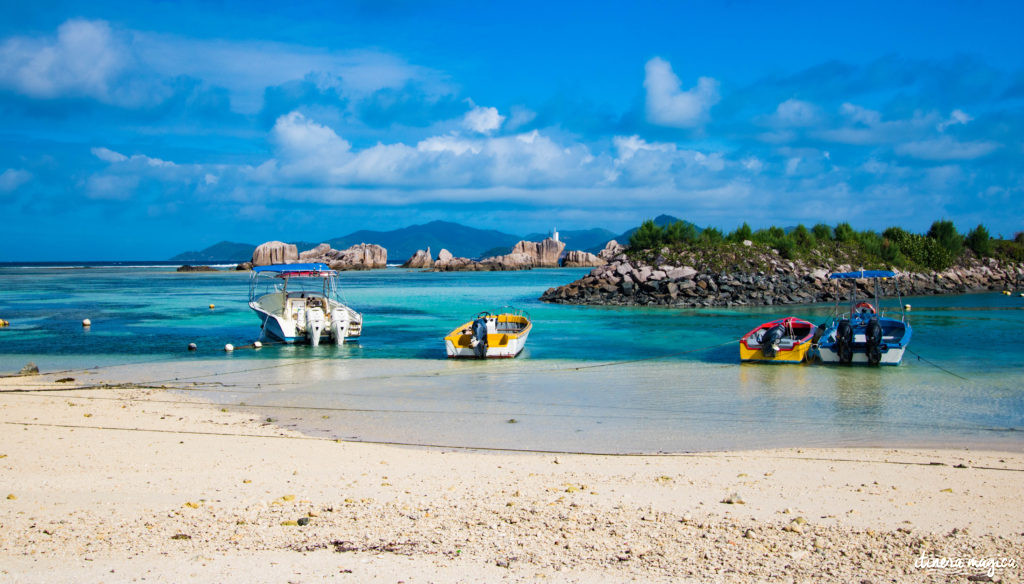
(108, 155)
(793, 164)
(12, 178)
(629, 146)
(753, 164)
(669, 105)
(795, 113)
(297, 137)
(83, 60)
(483, 120)
(955, 117)
(946, 148)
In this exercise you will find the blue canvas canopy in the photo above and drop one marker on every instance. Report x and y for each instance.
(861, 274)
(294, 268)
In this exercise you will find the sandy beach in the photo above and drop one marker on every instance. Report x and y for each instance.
(130, 483)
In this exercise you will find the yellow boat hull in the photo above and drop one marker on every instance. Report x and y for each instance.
(795, 355)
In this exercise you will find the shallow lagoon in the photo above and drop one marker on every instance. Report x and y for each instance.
(592, 379)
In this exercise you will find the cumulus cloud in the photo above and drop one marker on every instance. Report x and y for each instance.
(296, 136)
(84, 59)
(795, 113)
(483, 120)
(669, 105)
(12, 178)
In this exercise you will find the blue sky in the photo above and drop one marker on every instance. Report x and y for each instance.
(137, 130)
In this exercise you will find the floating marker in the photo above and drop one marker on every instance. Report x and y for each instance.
(211, 307)
(86, 322)
(257, 345)
(3, 322)
(229, 347)
(906, 307)
(192, 347)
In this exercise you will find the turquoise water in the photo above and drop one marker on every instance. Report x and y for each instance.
(572, 389)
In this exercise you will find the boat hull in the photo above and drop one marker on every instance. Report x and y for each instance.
(890, 356)
(289, 331)
(796, 354)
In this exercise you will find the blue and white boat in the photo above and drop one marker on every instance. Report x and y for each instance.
(301, 303)
(865, 334)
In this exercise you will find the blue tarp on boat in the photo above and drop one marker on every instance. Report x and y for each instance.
(861, 274)
(293, 268)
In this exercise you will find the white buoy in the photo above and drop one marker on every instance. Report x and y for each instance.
(192, 347)
(229, 347)
(906, 307)
(257, 345)
(86, 322)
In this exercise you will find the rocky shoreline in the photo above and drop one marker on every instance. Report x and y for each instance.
(763, 280)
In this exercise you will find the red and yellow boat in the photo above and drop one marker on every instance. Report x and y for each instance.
(785, 340)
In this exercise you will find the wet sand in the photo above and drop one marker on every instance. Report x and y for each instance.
(127, 483)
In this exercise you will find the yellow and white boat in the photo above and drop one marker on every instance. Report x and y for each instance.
(490, 336)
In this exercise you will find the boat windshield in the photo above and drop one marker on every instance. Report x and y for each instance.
(872, 298)
(301, 281)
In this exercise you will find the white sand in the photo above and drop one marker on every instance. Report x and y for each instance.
(119, 485)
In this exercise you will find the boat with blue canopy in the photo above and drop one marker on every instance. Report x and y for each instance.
(865, 334)
(301, 303)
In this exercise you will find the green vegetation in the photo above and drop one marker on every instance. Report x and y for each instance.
(941, 247)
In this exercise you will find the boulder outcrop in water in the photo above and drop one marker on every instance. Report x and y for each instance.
(362, 256)
(188, 268)
(757, 277)
(525, 255)
(421, 259)
(275, 252)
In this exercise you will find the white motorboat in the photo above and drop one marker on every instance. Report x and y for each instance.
(301, 303)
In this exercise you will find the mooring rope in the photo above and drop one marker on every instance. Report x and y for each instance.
(936, 365)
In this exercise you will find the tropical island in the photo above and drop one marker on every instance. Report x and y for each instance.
(677, 264)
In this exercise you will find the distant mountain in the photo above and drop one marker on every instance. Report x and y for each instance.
(225, 251)
(660, 221)
(402, 243)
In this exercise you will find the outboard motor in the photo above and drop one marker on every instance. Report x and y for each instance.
(873, 340)
(479, 340)
(339, 326)
(770, 341)
(315, 324)
(844, 342)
